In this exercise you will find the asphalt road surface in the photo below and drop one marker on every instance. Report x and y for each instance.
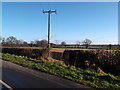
(16, 76)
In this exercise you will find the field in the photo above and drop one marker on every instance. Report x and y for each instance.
(64, 48)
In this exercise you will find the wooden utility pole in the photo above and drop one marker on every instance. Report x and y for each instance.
(49, 12)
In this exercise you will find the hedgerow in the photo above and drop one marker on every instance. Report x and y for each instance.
(108, 61)
(75, 74)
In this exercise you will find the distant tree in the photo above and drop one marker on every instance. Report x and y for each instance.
(52, 44)
(44, 43)
(25, 43)
(78, 43)
(11, 40)
(110, 46)
(56, 42)
(38, 43)
(19, 42)
(32, 43)
(63, 43)
(87, 42)
(3, 41)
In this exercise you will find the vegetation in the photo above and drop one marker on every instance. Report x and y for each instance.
(63, 43)
(33, 53)
(108, 61)
(110, 46)
(72, 73)
(12, 41)
(87, 42)
(78, 44)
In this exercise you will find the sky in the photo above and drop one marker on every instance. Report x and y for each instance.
(74, 21)
(60, 0)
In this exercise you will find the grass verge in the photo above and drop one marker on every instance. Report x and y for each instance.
(75, 74)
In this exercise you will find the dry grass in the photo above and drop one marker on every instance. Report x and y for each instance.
(62, 49)
(50, 59)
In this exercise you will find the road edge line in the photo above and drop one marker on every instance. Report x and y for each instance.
(6, 85)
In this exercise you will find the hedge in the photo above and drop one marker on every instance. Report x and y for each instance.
(75, 74)
(108, 61)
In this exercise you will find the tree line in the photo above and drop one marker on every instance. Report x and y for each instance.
(12, 41)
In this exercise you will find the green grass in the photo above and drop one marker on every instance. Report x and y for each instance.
(75, 74)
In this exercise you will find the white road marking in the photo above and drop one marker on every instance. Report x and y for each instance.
(6, 85)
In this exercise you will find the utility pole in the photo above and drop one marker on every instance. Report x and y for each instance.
(49, 12)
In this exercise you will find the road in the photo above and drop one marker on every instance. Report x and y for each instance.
(16, 76)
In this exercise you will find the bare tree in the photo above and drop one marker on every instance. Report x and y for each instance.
(87, 42)
(37, 42)
(19, 42)
(44, 43)
(78, 43)
(56, 42)
(32, 43)
(11, 40)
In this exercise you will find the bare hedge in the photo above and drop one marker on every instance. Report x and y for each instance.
(108, 61)
(33, 53)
